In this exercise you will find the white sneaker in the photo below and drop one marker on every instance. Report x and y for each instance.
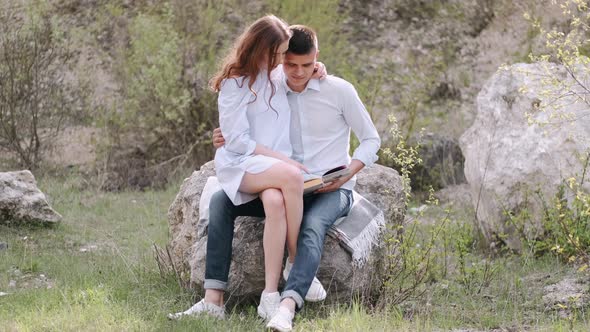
(269, 303)
(316, 292)
(282, 321)
(201, 308)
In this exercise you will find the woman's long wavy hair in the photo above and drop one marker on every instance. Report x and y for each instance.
(260, 41)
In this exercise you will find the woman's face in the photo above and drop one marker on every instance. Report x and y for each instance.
(280, 53)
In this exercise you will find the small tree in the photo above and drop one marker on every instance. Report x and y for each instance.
(568, 46)
(167, 117)
(33, 93)
(566, 216)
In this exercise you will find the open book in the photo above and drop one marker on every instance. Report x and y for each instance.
(317, 182)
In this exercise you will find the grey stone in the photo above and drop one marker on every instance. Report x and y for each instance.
(380, 185)
(3, 245)
(442, 164)
(512, 165)
(22, 202)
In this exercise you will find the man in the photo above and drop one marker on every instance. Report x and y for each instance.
(323, 112)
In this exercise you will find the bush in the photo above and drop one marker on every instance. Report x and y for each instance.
(566, 223)
(35, 99)
(167, 114)
(566, 218)
(408, 264)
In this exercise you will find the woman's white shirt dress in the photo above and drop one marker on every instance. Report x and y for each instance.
(246, 119)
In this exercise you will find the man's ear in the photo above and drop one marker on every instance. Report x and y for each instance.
(317, 55)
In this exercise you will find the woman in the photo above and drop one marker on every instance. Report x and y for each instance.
(254, 117)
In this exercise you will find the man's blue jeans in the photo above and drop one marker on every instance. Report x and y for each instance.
(320, 211)
(222, 216)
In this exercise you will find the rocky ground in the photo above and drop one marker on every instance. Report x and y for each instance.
(433, 58)
(461, 44)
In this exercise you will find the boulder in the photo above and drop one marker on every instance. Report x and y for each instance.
(442, 164)
(380, 185)
(22, 202)
(514, 162)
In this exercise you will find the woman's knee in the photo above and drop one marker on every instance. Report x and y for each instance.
(274, 204)
(292, 179)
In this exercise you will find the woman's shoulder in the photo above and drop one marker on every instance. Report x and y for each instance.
(234, 87)
(234, 82)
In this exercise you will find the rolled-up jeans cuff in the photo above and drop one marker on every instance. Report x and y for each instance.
(295, 296)
(215, 284)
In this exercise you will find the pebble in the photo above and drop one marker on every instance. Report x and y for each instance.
(3, 246)
(3, 294)
(12, 284)
(15, 272)
(88, 248)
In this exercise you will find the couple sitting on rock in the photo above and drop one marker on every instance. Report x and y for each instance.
(280, 124)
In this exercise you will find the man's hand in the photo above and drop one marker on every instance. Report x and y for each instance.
(319, 71)
(355, 166)
(218, 140)
(334, 185)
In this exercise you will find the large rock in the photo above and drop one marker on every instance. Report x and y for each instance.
(379, 184)
(512, 164)
(442, 164)
(22, 202)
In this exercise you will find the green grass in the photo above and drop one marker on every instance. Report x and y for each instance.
(512, 299)
(116, 285)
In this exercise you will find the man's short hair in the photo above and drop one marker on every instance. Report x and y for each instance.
(303, 40)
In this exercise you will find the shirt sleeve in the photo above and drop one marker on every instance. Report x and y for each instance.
(232, 104)
(359, 120)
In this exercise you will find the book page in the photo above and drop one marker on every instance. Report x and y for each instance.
(308, 176)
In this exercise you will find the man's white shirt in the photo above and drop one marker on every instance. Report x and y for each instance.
(321, 118)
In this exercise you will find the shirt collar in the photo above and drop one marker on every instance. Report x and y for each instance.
(313, 84)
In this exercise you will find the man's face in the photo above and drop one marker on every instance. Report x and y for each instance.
(299, 69)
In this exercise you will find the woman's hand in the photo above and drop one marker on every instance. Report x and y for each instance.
(263, 150)
(218, 140)
(296, 164)
(319, 71)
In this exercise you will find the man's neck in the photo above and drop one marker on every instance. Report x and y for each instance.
(297, 88)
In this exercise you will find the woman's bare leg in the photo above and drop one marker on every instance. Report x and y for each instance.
(289, 180)
(275, 233)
